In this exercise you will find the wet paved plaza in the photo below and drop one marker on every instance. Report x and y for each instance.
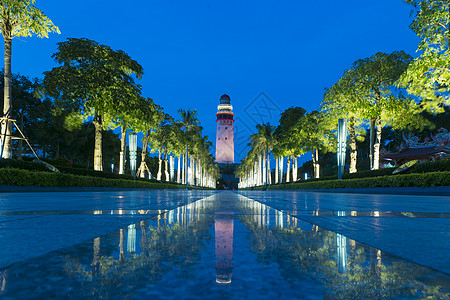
(224, 245)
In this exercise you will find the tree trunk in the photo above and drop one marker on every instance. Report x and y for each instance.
(166, 166)
(123, 149)
(98, 159)
(260, 177)
(264, 167)
(276, 169)
(269, 172)
(294, 169)
(192, 173)
(159, 165)
(316, 165)
(352, 143)
(7, 101)
(143, 165)
(371, 142)
(96, 265)
(288, 169)
(187, 165)
(178, 169)
(377, 145)
(281, 169)
(183, 173)
(255, 172)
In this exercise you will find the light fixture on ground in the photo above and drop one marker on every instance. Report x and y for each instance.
(342, 143)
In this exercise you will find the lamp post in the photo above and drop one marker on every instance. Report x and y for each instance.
(133, 152)
(342, 139)
(172, 167)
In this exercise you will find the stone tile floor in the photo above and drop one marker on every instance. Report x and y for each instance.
(33, 224)
(225, 245)
(393, 223)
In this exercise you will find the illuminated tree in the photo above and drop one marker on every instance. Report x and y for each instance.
(188, 122)
(144, 117)
(287, 144)
(428, 76)
(262, 143)
(372, 79)
(159, 140)
(18, 18)
(342, 102)
(92, 80)
(313, 136)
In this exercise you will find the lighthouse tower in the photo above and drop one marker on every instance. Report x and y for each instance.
(224, 133)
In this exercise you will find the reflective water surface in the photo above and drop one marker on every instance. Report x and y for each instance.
(221, 247)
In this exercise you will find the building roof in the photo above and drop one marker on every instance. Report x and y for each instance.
(417, 152)
(225, 99)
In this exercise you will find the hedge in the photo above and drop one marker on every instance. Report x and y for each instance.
(406, 180)
(34, 166)
(431, 166)
(11, 176)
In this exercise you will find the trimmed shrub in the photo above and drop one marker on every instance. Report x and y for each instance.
(22, 164)
(369, 173)
(431, 166)
(407, 180)
(34, 166)
(10, 176)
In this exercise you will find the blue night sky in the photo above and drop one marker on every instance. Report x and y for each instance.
(267, 55)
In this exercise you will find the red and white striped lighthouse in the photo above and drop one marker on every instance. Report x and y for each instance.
(224, 133)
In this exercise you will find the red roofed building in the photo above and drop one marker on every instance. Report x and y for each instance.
(436, 148)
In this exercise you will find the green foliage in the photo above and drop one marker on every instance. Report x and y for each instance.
(23, 18)
(22, 164)
(312, 133)
(432, 166)
(408, 180)
(91, 76)
(428, 76)
(25, 100)
(286, 142)
(369, 173)
(10, 176)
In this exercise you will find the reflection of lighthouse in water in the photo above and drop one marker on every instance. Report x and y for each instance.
(224, 247)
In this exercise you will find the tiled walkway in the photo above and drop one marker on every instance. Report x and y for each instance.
(228, 245)
(416, 228)
(33, 224)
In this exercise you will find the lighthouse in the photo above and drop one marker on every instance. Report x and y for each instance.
(224, 132)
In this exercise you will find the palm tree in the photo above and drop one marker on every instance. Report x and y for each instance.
(160, 141)
(262, 143)
(189, 123)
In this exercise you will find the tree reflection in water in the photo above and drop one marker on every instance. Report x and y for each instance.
(346, 268)
(136, 258)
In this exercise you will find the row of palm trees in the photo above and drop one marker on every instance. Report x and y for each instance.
(298, 132)
(180, 142)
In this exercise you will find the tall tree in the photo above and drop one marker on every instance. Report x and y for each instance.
(145, 117)
(313, 135)
(188, 122)
(286, 145)
(373, 79)
(342, 101)
(92, 80)
(18, 18)
(428, 76)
